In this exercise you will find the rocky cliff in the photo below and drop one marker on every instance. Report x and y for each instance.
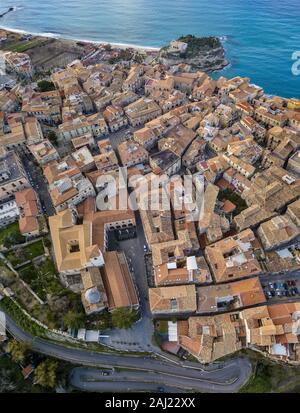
(202, 53)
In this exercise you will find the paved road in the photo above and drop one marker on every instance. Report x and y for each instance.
(226, 377)
(38, 182)
(292, 275)
(93, 380)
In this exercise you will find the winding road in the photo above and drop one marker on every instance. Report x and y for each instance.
(227, 377)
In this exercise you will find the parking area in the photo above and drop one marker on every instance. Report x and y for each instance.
(282, 288)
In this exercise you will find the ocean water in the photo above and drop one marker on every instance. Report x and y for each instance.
(261, 35)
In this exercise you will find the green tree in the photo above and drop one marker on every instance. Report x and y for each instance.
(107, 47)
(46, 86)
(101, 321)
(17, 350)
(46, 373)
(74, 320)
(47, 242)
(13, 239)
(52, 137)
(124, 317)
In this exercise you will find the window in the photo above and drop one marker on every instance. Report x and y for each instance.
(74, 248)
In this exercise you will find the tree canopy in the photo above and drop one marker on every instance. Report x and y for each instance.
(46, 373)
(124, 317)
(74, 319)
(46, 86)
(52, 137)
(17, 350)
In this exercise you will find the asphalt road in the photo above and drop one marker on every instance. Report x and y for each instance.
(39, 184)
(287, 275)
(227, 377)
(92, 380)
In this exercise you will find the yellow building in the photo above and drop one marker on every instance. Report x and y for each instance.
(293, 104)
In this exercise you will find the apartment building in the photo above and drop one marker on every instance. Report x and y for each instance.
(9, 213)
(183, 271)
(8, 101)
(210, 338)
(278, 231)
(272, 189)
(234, 257)
(146, 137)
(13, 177)
(131, 153)
(270, 117)
(33, 131)
(30, 223)
(134, 80)
(115, 118)
(94, 124)
(142, 111)
(230, 296)
(84, 159)
(45, 106)
(19, 63)
(44, 152)
(179, 299)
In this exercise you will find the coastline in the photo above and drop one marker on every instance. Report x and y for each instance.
(71, 39)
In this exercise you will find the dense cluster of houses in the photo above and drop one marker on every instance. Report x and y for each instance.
(239, 144)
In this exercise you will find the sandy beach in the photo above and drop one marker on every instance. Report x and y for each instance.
(49, 50)
(76, 40)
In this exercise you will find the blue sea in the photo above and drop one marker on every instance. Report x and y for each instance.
(261, 35)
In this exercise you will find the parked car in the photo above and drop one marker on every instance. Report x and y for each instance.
(293, 283)
(271, 285)
(281, 285)
(288, 294)
(289, 283)
(296, 290)
(293, 292)
(285, 285)
(269, 295)
(275, 286)
(273, 293)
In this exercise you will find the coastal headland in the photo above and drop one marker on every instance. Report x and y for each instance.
(47, 52)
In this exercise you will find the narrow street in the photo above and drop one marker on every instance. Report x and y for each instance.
(39, 183)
